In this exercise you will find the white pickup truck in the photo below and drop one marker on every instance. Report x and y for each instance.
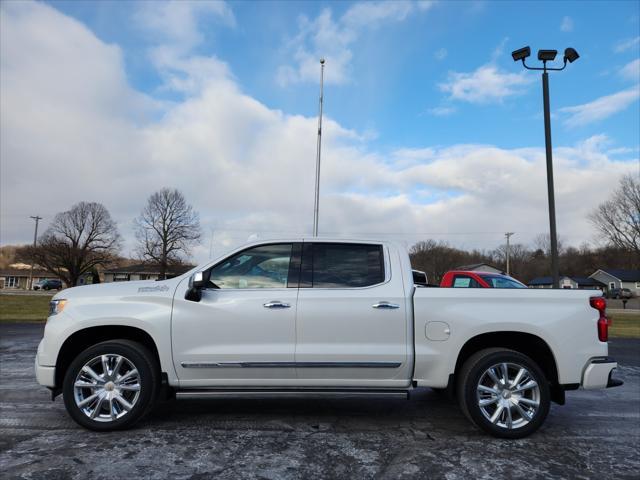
(321, 317)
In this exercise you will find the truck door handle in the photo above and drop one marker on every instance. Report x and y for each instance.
(276, 304)
(386, 305)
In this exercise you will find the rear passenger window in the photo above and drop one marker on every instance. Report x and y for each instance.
(344, 265)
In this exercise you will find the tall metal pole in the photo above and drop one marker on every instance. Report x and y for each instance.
(35, 239)
(316, 206)
(508, 235)
(552, 202)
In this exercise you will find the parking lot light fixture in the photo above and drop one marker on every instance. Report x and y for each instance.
(570, 55)
(547, 55)
(521, 54)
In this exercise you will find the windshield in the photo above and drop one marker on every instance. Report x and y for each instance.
(501, 281)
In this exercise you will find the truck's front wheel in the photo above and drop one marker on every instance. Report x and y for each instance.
(504, 393)
(111, 385)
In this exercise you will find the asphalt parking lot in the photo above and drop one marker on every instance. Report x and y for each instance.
(596, 435)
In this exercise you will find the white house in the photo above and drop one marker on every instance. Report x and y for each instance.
(569, 282)
(619, 278)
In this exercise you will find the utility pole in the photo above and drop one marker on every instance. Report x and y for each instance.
(316, 206)
(508, 235)
(35, 240)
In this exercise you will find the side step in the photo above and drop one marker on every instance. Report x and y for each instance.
(289, 393)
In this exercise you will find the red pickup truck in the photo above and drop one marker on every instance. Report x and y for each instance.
(474, 279)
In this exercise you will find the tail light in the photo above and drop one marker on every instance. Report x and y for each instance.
(600, 304)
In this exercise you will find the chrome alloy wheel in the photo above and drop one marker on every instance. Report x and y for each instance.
(508, 395)
(107, 387)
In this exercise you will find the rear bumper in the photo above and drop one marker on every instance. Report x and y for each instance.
(598, 374)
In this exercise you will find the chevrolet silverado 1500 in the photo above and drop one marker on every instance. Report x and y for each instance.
(321, 317)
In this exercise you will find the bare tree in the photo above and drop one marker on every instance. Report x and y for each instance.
(76, 242)
(519, 257)
(542, 242)
(436, 258)
(618, 219)
(167, 228)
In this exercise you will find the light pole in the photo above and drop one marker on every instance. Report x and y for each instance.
(35, 239)
(508, 235)
(570, 55)
(316, 206)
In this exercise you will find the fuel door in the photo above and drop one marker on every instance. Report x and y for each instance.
(437, 331)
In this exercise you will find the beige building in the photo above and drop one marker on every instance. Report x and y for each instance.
(18, 278)
(142, 271)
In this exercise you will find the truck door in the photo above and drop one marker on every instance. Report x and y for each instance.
(242, 331)
(352, 318)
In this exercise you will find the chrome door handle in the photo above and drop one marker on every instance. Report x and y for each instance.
(276, 304)
(385, 305)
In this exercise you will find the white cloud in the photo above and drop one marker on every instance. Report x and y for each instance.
(324, 37)
(441, 54)
(631, 71)
(73, 129)
(627, 44)
(177, 21)
(173, 27)
(600, 108)
(442, 111)
(567, 24)
(486, 84)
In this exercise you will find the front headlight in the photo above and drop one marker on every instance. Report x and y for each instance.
(56, 306)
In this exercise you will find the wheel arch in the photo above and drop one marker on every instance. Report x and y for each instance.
(528, 344)
(83, 339)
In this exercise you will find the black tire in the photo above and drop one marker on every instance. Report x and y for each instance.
(470, 376)
(149, 382)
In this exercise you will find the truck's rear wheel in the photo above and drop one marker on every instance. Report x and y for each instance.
(504, 393)
(111, 385)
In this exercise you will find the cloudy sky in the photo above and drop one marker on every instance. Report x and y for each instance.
(431, 130)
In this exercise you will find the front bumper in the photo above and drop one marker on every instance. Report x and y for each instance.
(598, 374)
(45, 375)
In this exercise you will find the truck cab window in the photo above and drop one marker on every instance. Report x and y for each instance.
(347, 265)
(266, 266)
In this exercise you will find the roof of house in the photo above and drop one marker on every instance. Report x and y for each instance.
(25, 272)
(587, 281)
(542, 281)
(581, 281)
(475, 266)
(150, 269)
(623, 275)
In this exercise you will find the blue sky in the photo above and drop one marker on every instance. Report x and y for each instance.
(392, 86)
(431, 129)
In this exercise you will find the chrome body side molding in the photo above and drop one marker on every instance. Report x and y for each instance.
(291, 364)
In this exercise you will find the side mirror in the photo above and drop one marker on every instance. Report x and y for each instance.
(196, 284)
(197, 280)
